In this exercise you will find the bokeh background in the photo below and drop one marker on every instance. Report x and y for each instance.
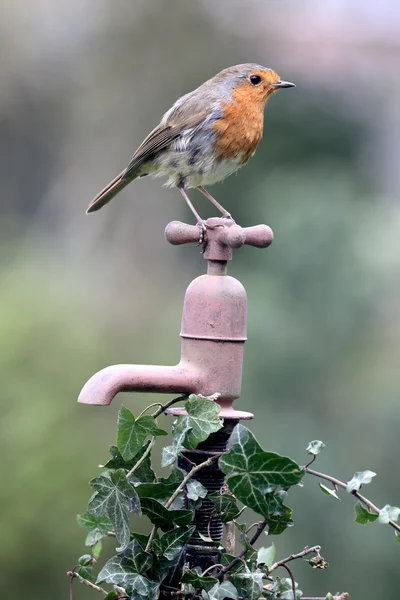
(82, 82)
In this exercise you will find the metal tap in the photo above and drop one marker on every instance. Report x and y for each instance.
(213, 329)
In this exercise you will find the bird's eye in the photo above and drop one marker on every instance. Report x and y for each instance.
(255, 79)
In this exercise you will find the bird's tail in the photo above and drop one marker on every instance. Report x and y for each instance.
(108, 193)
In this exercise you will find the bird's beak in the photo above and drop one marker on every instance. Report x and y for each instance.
(282, 84)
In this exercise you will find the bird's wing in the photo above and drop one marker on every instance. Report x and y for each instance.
(161, 137)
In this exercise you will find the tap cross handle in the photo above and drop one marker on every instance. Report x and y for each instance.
(223, 236)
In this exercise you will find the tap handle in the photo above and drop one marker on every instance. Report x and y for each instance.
(222, 236)
(259, 236)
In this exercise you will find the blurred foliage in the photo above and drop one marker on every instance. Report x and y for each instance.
(83, 83)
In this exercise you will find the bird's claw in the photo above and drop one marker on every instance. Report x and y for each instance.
(202, 235)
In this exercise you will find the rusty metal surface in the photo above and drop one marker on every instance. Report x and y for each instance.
(213, 328)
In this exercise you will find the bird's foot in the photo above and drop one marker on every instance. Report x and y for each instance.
(203, 226)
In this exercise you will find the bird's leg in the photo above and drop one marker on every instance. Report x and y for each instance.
(200, 222)
(225, 213)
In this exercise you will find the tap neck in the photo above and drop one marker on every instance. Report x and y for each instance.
(217, 267)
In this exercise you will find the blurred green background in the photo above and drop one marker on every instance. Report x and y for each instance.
(83, 81)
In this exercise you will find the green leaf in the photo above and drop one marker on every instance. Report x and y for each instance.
(249, 583)
(328, 491)
(96, 550)
(226, 560)
(116, 497)
(163, 488)
(329, 596)
(360, 478)
(197, 581)
(266, 556)
(141, 538)
(397, 534)
(220, 591)
(144, 473)
(283, 587)
(171, 543)
(315, 447)
(111, 596)
(225, 505)
(195, 427)
(195, 489)
(97, 527)
(252, 472)
(279, 516)
(85, 560)
(388, 513)
(85, 572)
(210, 541)
(132, 433)
(170, 455)
(363, 515)
(126, 569)
(162, 517)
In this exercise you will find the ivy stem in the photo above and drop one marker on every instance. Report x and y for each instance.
(192, 472)
(148, 407)
(211, 568)
(362, 499)
(178, 490)
(292, 580)
(72, 575)
(163, 407)
(282, 563)
(260, 529)
(151, 538)
(142, 458)
(251, 527)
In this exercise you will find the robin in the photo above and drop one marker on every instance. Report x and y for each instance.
(207, 135)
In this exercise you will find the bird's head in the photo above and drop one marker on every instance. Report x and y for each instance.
(252, 82)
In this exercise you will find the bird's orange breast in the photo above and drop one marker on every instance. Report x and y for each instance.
(240, 129)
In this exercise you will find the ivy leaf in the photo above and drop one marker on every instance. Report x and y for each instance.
(126, 569)
(388, 513)
(170, 455)
(249, 583)
(116, 497)
(144, 473)
(279, 516)
(329, 596)
(96, 550)
(195, 490)
(363, 515)
(225, 505)
(195, 427)
(252, 472)
(284, 588)
(133, 432)
(328, 491)
(141, 538)
(171, 543)
(315, 447)
(210, 541)
(85, 560)
(226, 560)
(266, 556)
(220, 591)
(162, 517)
(360, 478)
(197, 581)
(163, 488)
(397, 536)
(112, 596)
(97, 527)
(85, 572)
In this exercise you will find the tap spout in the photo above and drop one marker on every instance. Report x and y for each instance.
(102, 388)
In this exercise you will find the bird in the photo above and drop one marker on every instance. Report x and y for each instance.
(207, 135)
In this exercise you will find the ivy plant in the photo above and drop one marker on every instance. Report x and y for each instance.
(152, 565)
